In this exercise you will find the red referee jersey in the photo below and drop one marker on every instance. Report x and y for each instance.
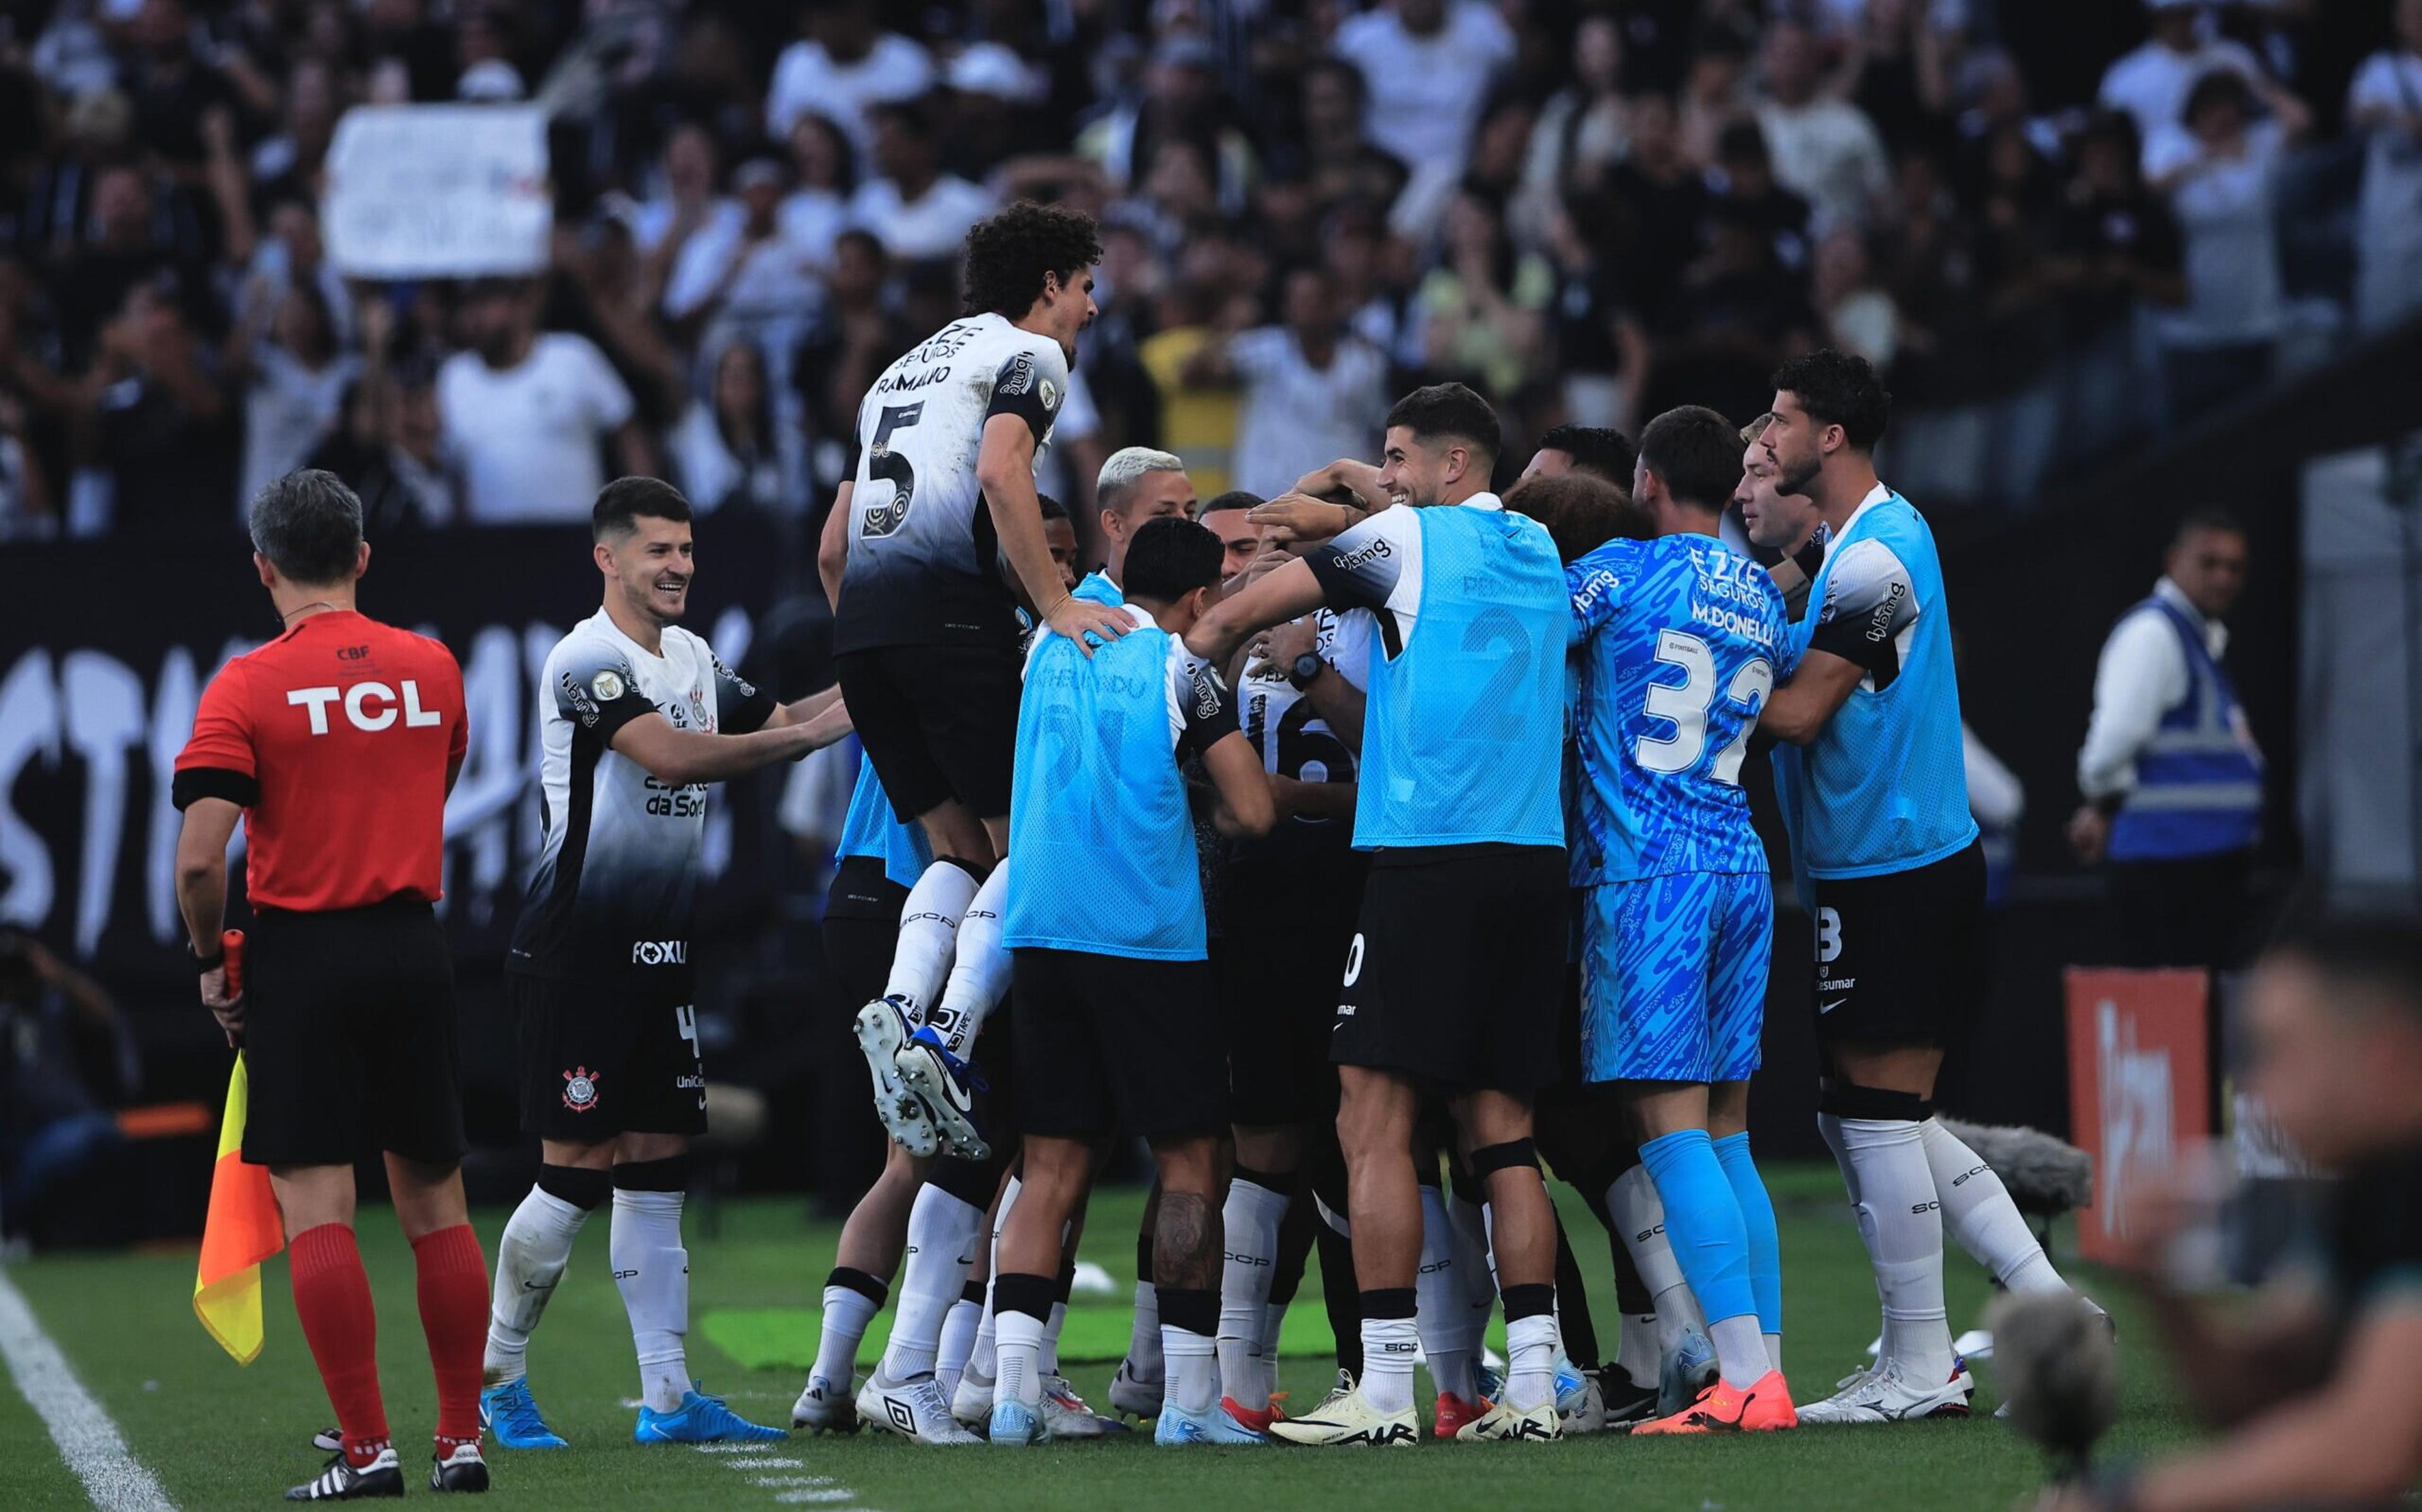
(339, 739)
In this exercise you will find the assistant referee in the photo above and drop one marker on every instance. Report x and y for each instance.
(336, 744)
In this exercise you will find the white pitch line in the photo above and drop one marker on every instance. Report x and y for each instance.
(789, 1490)
(87, 1437)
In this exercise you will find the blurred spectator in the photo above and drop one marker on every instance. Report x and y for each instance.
(843, 67)
(2219, 169)
(918, 213)
(816, 210)
(284, 351)
(1312, 390)
(1582, 132)
(1480, 311)
(1426, 69)
(2152, 83)
(1600, 342)
(684, 201)
(65, 1056)
(1654, 200)
(27, 510)
(724, 451)
(1181, 103)
(1198, 417)
(2169, 770)
(1859, 315)
(1824, 149)
(2117, 248)
(1898, 72)
(1716, 90)
(740, 278)
(162, 431)
(2385, 104)
(526, 413)
(1338, 158)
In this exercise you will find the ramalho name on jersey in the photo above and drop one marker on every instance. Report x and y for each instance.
(924, 561)
(616, 883)
(1681, 640)
(1883, 787)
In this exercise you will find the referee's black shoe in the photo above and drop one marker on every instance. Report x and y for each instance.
(343, 1482)
(462, 1468)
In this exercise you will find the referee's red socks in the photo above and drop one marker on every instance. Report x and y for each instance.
(455, 1315)
(332, 1296)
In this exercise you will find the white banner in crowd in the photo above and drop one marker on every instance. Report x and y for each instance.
(438, 192)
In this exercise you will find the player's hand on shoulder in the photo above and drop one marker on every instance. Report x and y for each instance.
(1077, 618)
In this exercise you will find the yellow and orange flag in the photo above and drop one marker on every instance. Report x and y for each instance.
(243, 1228)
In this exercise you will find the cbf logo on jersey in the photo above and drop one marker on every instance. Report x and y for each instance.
(360, 700)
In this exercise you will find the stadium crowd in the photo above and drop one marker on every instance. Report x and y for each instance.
(2056, 224)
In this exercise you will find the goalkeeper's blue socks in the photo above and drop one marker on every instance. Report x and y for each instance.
(1710, 1239)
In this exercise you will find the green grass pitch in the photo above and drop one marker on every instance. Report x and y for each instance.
(219, 1436)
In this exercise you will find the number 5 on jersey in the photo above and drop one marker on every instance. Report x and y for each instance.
(883, 462)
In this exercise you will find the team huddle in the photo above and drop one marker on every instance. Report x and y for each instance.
(1359, 850)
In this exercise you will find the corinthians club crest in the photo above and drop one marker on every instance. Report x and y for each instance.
(581, 1088)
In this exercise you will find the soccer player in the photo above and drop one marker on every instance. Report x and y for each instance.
(639, 716)
(336, 745)
(1595, 451)
(1137, 486)
(1453, 977)
(878, 860)
(1114, 1026)
(1228, 516)
(1060, 534)
(1682, 640)
(1286, 909)
(925, 637)
(1872, 785)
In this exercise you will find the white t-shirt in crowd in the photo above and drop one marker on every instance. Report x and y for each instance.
(1298, 417)
(807, 82)
(811, 221)
(287, 409)
(774, 282)
(528, 437)
(1827, 153)
(2226, 221)
(931, 226)
(2152, 83)
(2388, 213)
(1426, 93)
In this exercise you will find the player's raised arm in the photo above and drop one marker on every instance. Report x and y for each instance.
(1286, 594)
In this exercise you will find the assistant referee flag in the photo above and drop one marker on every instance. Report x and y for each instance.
(242, 1227)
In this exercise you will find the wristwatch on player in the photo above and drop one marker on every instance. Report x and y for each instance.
(204, 965)
(1307, 668)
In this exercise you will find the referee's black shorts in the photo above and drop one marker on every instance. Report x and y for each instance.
(938, 722)
(349, 1037)
(1455, 975)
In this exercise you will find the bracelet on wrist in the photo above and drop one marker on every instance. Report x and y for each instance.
(204, 965)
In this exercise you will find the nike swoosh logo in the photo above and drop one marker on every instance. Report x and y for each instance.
(1828, 1007)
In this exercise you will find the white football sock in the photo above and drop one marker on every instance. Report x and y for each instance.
(1531, 1346)
(1901, 1222)
(1193, 1363)
(1741, 1350)
(1773, 1349)
(1145, 1363)
(984, 1356)
(958, 1342)
(1262, 1378)
(929, 936)
(1250, 1220)
(1450, 1328)
(848, 1311)
(1640, 1219)
(979, 971)
(651, 1270)
(1388, 1346)
(1051, 1327)
(1637, 1350)
(530, 1258)
(942, 1231)
(1978, 1212)
(1019, 1355)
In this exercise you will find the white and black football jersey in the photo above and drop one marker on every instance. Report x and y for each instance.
(617, 882)
(924, 562)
